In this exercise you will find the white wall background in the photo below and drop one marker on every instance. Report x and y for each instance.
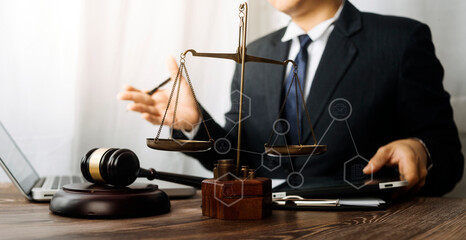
(63, 62)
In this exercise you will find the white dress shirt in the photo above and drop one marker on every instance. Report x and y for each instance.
(319, 35)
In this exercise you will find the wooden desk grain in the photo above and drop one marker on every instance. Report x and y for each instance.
(420, 218)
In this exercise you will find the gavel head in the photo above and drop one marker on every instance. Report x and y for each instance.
(118, 167)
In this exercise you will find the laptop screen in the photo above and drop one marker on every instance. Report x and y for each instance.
(15, 163)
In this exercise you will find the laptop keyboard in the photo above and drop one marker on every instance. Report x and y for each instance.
(60, 181)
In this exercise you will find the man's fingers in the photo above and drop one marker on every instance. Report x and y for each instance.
(131, 88)
(138, 97)
(151, 118)
(127, 88)
(422, 174)
(378, 160)
(410, 171)
(161, 97)
(157, 120)
(143, 108)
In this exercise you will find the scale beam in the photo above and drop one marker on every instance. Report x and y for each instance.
(237, 57)
(241, 58)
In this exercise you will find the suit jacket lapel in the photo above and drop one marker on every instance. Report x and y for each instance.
(337, 57)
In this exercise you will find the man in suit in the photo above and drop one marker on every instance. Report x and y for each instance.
(381, 71)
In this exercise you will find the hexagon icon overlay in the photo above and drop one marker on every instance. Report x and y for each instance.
(352, 172)
(176, 137)
(234, 98)
(215, 189)
(266, 160)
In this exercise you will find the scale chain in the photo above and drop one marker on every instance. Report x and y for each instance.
(176, 100)
(197, 102)
(168, 104)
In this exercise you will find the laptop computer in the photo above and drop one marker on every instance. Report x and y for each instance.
(36, 188)
(24, 176)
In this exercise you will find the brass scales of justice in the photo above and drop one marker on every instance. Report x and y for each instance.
(215, 202)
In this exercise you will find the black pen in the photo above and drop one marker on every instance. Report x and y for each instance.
(159, 86)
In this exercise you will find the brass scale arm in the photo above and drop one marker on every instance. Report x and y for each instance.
(237, 57)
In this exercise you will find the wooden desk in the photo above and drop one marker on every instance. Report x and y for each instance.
(420, 218)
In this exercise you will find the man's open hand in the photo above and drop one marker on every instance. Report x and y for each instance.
(409, 155)
(152, 108)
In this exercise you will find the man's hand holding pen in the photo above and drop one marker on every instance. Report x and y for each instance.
(152, 104)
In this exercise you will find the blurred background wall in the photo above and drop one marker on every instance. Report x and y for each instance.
(63, 62)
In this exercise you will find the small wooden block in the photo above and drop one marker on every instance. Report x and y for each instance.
(237, 199)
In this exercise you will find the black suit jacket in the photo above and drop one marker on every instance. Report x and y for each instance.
(384, 66)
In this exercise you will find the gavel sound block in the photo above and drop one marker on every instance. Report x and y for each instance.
(236, 198)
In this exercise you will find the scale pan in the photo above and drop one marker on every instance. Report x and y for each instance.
(295, 150)
(180, 145)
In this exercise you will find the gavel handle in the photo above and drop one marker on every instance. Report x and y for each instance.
(176, 178)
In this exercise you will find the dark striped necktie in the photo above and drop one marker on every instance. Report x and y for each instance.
(291, 108)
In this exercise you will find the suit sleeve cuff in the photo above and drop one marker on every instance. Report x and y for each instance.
(429, 164)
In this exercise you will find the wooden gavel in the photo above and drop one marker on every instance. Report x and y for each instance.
(120, 167)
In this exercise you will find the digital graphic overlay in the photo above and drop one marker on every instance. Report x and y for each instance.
(339, 109)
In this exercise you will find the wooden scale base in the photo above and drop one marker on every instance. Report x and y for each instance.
(237, 199)
(103, 201)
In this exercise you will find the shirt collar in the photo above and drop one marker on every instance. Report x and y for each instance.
(293, 30)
